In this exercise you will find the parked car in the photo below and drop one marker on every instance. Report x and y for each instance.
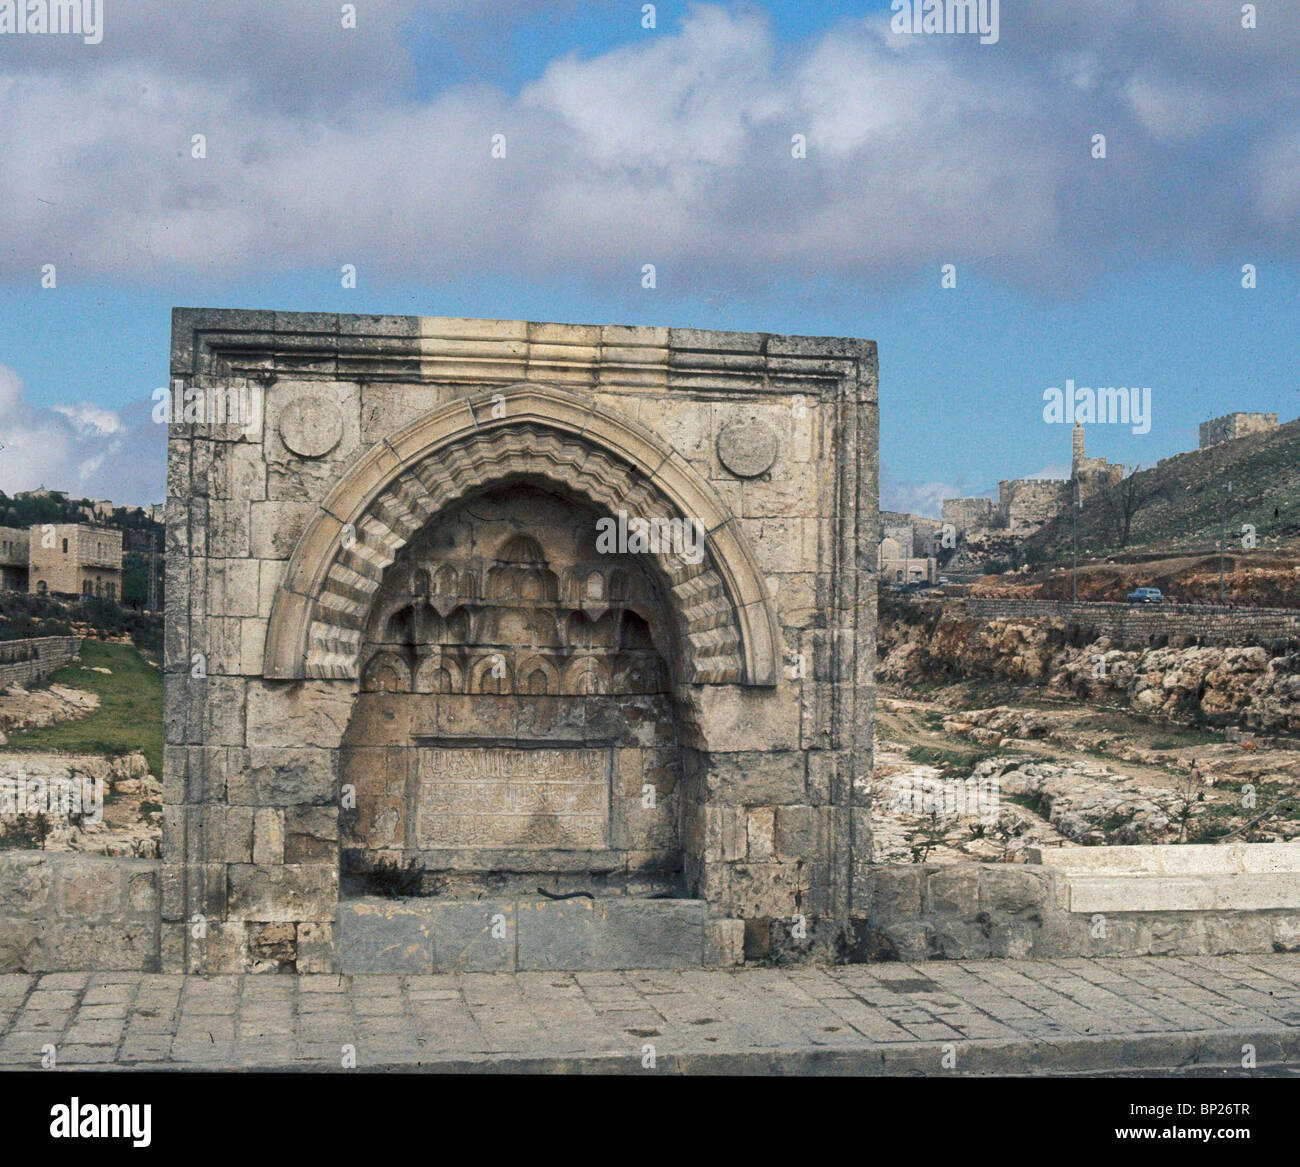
(1146, 596)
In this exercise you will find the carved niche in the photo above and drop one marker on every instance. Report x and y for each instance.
(515, 697)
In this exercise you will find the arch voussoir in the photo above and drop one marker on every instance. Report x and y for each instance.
(727, 629)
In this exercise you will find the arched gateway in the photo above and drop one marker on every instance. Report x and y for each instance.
(472, 640)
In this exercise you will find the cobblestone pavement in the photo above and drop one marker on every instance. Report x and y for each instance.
(941, 1017)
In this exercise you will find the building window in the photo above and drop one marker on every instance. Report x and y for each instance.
(65, 547)
(41, 588)
(110, 590)
(87, 589)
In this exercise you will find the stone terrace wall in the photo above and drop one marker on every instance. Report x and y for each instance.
(970, 514)
(29, 662)
(1139, 626)
(63, 912)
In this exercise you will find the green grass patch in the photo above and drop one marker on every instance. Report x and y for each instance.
(1186, 739)
(130, 713)
(955, 764)
(1266, 794)
(945, 759)
(1207, 833)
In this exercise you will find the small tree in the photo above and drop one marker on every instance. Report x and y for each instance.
(1123, 500)
(1187, 794)
(41, 828)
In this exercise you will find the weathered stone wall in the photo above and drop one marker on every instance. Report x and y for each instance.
(926, 533)
(1027, 503)
(902, 534)
(1142, 625)
(61, 911)
(1235, 425)
(971, 911)
(29, 662)
(971, 514)
(15, 554)
(281, 529)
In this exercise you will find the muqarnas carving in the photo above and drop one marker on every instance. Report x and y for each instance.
(500, 625)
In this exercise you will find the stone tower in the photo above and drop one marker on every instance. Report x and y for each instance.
(1078, 451)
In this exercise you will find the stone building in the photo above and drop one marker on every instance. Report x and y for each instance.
(1090, 476)
(904, 555)
(1235, 425)
(965, 515)
(495, 611)
(75, 559)
(921, 534)
(896, 566)
(903, 534)
(14, 556)
(97, 510)
(1025, 504)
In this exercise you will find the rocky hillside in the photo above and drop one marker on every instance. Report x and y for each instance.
(1256, 687)
(1176, 504)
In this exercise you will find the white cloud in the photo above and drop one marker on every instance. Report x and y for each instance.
(674, 149)
(91, 420)
(1170, 108)
(82, 449)
(919, 498)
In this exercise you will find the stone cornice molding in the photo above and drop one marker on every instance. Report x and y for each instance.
(271, 345)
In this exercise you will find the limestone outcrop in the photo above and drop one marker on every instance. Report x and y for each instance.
(1255, 686)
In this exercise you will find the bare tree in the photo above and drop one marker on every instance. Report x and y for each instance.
(1123, 500)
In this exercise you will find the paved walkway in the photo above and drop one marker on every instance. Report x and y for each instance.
(973, 1017)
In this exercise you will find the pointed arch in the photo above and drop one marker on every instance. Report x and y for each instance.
(727, 629)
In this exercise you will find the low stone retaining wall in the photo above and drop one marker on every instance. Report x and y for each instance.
(1243, 877)
(66, 912)
(1091, 901)
(1141, 626)
(62, 911)
(425, 935)
(29, 662)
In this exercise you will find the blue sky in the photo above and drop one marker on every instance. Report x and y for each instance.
(669, 146)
